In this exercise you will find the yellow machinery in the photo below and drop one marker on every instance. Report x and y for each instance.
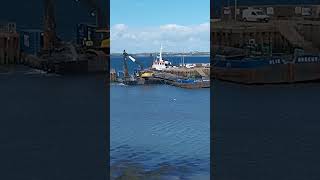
(105, 43)
(105, 38)
(92, 37)
(146, 74)
(141, 73)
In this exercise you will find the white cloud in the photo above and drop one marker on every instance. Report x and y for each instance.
(120, 27)
(174, 37)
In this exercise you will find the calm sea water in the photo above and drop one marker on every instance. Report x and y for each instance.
(52, 127)
(266, 132)
(161, 127)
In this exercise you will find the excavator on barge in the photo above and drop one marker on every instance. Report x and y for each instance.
(141, 76)
(65, 57)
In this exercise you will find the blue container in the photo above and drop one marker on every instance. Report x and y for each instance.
(31, 41)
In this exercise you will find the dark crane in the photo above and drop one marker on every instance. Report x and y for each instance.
(50, 38)
(102, 31)
(125, 64)
(95, 11)
(49, 26)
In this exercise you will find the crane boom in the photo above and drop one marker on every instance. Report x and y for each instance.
(102, 33)
(97, 12)
(132, 59)
(49, 25)
(125, 54)
(50, 40)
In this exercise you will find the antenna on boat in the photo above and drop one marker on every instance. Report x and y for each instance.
(235, 10)
(183, 53)
(183, 60)
(160, 56)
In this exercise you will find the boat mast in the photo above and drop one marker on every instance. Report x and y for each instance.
(235, 10)
(160, 56)
(183, 58)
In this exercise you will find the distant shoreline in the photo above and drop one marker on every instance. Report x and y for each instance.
(205, 54)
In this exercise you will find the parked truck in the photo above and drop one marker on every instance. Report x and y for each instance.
(254, 15)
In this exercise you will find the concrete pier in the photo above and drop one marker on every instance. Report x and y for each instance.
(172, 76)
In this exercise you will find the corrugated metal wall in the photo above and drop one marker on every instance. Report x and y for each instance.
(9, 48)
(31, 41)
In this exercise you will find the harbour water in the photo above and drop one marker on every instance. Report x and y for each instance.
(160, 129)
(267, 131)
(52, 127)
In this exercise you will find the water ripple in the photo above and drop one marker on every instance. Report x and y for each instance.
(150, 130)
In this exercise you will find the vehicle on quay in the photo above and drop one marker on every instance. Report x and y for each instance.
(254, 15)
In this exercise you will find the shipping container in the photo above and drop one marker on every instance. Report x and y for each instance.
(31, 41)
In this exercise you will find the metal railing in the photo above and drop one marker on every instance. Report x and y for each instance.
(8, 27)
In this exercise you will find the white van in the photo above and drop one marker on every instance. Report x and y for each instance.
(254, 15)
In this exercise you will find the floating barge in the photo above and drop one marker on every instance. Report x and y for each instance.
(159, 77)
(141, 81)
(192, 84)
(182, 81)
(268, 70)
(163, 72)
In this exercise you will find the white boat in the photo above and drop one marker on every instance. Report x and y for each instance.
(161, 64)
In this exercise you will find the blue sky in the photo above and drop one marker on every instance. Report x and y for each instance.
(142, 25)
